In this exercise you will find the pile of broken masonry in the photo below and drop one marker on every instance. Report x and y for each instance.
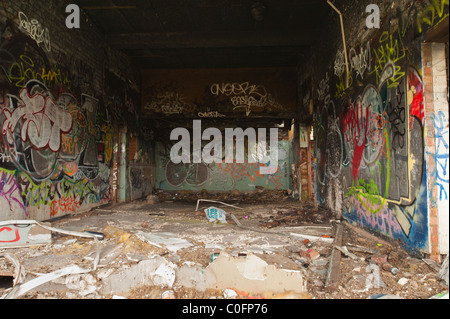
(170, 250)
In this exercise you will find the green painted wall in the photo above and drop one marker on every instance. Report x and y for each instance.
(222, 177)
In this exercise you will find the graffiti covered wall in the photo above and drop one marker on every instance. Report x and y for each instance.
(224, 176)
(220, 93)
(370, 123)
(56, 137)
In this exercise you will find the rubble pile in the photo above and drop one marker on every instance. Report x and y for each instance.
(175, 250)
(257, 196)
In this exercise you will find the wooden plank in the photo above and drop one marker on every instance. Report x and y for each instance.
(308, 155)
(334, 268)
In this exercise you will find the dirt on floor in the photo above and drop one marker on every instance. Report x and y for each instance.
(263, 229)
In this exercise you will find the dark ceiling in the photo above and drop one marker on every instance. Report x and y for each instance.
(209, 33)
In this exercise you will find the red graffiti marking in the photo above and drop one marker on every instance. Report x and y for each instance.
(415, 84)
(64, 205)
(10, 229)
(355, 124)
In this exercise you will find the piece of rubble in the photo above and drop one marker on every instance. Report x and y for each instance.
(345, 251)
(403, 281)
(18, 273)
(27, 286)
(154, 271)
(152, 199)
(253, 275)
(443, 272)
(379, 259)
(334, 267)
(229, 294)
(310, 253)
(167, 240)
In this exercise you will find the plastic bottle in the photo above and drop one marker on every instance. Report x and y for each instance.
(389, 267)
(307, 243)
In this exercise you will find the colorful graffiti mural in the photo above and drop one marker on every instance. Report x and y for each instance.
(375, 134)
(55, 151)
(223, 176)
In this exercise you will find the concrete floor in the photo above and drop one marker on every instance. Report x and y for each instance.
(123, 253)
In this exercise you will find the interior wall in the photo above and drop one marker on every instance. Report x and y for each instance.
(220, 93)
(58, 112)
(221, 98)
(224, 176)
(370, 131)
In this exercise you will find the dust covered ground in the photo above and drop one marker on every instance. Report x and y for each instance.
(267, 221)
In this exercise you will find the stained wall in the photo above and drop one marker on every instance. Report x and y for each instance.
(376, 159)
(63, 99)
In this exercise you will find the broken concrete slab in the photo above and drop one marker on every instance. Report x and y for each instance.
(191, 275)
(443, 272)
(168, 240)
(154, 271)
(335, 261)
(18, 273)
(253, 275)
(31, 284)
(23, 235)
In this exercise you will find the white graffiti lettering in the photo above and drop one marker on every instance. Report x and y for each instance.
(35, 30)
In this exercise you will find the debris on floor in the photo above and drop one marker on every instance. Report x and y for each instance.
(214, 214)
(167, 240)
(253, 275)
(134, 251)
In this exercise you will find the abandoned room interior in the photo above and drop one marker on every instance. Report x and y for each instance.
(226, 149)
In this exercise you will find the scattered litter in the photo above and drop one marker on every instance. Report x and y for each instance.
(215, 214)
(229, 294)
(167, 240)
(403, 281)
(168, 294)
(374, 280)
(214, 201)
(24, 288)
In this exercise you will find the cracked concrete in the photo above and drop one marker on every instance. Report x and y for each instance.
(132, 267)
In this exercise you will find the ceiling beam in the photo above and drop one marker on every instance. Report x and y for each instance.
(111, 7)
(188, 40)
